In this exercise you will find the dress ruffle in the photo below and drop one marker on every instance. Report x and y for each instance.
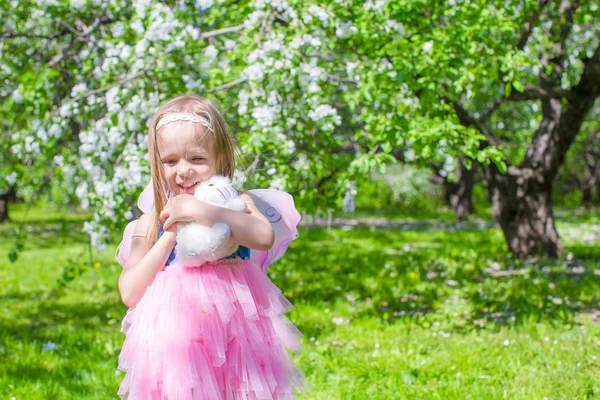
(212, 332)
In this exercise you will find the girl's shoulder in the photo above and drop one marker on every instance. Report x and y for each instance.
(142, 223)
(137, 227)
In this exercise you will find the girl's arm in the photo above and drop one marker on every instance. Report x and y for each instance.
(141, 267)
(252, 230)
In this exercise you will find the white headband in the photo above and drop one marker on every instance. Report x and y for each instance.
(171, 117)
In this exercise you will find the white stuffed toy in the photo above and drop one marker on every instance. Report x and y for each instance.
(197, 243)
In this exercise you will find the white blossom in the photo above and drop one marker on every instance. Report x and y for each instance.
(254, 18)
(78, 4)
(81, 87)
(82, 190)
(394, 25)
(59, 160)
(17, 97)
(211, 51)
(229, 44)
(49, 346)
(118, 29)
(311, 40)
(254, 72)
(239, 178)
(322, 111)
(377, 5)
(11, 178)
(137, 26)
(204, 4)
(345, 29)
(277, 184)
(140, 7)
(42, 135)
(264, 116)
(66, 110)
(31, 146)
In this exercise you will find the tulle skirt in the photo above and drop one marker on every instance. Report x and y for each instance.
(212, 332)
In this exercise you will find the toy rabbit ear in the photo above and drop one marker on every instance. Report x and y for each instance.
(146, 200)
(281, 212)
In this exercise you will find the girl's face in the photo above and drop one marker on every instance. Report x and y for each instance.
(185, 162)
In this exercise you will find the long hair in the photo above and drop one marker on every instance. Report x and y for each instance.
(223, 150)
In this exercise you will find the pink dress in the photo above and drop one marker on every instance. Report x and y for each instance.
(216, 331)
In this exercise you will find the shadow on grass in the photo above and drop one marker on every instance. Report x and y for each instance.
(459, 280)
(46, 235)
(41, 320)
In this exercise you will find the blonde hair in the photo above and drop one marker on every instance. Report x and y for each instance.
(223, 148)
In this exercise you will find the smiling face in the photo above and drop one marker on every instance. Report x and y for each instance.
(185, 151)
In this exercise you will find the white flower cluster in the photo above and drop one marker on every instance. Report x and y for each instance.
(204, 4)
(254, 72)
(163, 23)
(374, 6)
(30, 141)
(265, 115)
(99, 144)
(98, 233)
(393, 25)
(345, 29)
(316, 12)
(323, 111)
(11, 178)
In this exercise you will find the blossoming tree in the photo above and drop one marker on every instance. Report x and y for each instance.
(317, 94)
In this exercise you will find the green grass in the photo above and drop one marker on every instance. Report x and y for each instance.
(387, 314)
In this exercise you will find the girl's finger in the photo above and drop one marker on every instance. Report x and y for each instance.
(165, 213)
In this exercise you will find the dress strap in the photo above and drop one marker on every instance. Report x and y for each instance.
(172, 255)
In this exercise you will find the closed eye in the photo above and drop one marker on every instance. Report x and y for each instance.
(197, 159)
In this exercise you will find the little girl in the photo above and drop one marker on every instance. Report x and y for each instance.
(216, 331)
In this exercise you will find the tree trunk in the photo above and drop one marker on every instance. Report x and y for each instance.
(586, 199)
(5, 197)
(522, 205)
(591, 172)
(522, 198)
(459, 194)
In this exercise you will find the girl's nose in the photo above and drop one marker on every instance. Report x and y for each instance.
(184, 168)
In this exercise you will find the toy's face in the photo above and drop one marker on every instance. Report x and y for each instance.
(216, 190)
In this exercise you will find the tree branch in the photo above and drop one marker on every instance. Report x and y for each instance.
(81, 36)
(218, 32)
(590, 78)
(121, 82)
(558, 35)
(529, 93)
(466, 119)
(226, 86)
(16, 35)
(532, 21)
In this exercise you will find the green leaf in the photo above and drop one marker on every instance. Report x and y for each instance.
(467, 162)
(12, 256)
(518, 86)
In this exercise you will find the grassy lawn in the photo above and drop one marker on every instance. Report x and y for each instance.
(434, 313)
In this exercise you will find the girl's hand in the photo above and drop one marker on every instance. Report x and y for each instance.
(185, 207)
